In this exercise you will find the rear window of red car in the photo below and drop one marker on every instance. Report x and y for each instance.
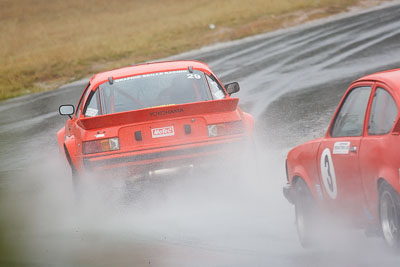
(156, 89)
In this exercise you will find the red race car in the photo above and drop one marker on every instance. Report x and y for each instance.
(152, 117)
(354, 171)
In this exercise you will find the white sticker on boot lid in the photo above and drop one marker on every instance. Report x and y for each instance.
(162, 132)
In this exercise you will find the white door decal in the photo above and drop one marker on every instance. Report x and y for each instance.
(328, 173)
(341, 148)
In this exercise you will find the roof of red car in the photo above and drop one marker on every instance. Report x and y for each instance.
(389, 77)
(148, 68)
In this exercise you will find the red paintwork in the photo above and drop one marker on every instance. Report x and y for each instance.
(357, 173)
(151, 152)
(151, 114)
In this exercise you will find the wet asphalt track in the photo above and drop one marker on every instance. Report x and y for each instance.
(291, 82)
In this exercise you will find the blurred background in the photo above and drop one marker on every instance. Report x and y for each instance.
(45, 44)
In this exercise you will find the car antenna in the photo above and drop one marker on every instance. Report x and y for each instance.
(110, 80)
(190, 68)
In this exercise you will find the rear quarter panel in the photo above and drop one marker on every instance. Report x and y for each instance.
(60, 139)
(248, 121)
(379, 161)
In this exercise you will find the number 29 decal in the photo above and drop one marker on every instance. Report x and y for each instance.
(193, 76)
(328, 173)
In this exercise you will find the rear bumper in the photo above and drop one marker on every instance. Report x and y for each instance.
(288, 193)
(138, 161)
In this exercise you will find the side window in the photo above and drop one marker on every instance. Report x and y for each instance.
(383, 113)
(216, 90)
(92, 107)
(350, 119)
(78, 108)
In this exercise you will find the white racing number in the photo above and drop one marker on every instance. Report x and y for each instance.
(193, 76)
(328, 173)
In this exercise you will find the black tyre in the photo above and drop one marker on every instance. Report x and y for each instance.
(305, 211)
(77, 186)
(76, 179)
(389, 215)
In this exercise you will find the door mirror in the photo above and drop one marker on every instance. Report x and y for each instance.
(232, 88)
(66, 110)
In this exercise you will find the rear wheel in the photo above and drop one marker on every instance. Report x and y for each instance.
(76, 183)
(389, 213)
(75, 178)
(305, 213)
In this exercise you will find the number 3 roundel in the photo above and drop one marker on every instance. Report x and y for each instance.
(328, 173)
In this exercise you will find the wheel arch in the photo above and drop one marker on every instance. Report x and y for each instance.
(68, 157)
(296, 177)
(389, 177)
(379, 182)
(302, 163)
(71, 153)
(389, 216)
(382, 181)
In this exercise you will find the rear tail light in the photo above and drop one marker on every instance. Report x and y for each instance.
(235, 127)
(228, 128)
(102, 145)
(216, 130)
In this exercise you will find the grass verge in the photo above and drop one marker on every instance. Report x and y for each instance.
(47, 43)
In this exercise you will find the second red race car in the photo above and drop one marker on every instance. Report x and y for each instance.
(354, 171)
(151, 117)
